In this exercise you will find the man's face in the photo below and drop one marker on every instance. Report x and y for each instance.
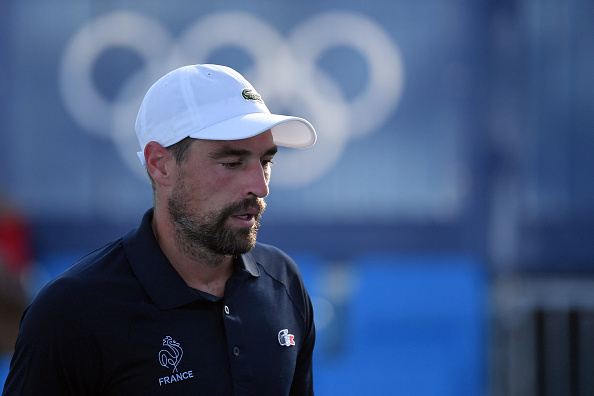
(218, 195)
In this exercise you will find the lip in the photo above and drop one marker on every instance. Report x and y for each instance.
(252, 212)
(246, 218)
(248, 221)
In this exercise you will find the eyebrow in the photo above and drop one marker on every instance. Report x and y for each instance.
(227, 151)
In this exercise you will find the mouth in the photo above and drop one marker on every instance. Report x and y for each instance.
(247, 217)
(245, 214)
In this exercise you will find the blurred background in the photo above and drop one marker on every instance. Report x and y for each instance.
(443, 222)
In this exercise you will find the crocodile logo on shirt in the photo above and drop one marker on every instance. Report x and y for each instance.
(286, 339)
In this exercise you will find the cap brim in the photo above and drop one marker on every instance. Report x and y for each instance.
(287, 131)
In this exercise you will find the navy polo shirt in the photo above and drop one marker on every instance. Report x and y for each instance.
(122, 321)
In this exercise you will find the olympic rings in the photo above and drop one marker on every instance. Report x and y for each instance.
(285, 71)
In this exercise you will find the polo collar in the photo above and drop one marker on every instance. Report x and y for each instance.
(160, 280)
(247, 262)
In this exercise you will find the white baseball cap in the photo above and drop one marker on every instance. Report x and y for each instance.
(212, 102)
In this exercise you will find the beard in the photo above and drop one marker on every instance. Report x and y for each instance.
(201, 236)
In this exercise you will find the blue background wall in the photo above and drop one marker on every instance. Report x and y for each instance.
(455, 144)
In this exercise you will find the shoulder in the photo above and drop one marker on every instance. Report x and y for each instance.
(96, 265)
(275, 262)
(69, 312)
(82, 285)
(278, 265)
(58, 346)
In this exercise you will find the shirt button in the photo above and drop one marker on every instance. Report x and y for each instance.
(227, 310)
(236, 351)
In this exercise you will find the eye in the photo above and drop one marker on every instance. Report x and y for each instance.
(231, 165)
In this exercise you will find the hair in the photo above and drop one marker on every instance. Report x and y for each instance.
(179, 151)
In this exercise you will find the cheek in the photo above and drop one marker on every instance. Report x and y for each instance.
(216, 194)
(193, 190)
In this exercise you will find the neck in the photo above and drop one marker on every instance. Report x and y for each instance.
(200, 268)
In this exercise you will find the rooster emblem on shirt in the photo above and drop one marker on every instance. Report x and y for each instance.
(172, 356)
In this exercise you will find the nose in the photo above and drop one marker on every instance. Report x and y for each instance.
(257, 181)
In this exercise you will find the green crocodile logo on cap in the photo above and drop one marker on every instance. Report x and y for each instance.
(250, 94)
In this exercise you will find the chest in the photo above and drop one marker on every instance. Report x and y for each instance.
(246, 343)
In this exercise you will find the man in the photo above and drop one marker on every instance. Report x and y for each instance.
(187, 303)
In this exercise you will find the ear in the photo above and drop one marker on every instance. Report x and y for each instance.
(158, 163)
